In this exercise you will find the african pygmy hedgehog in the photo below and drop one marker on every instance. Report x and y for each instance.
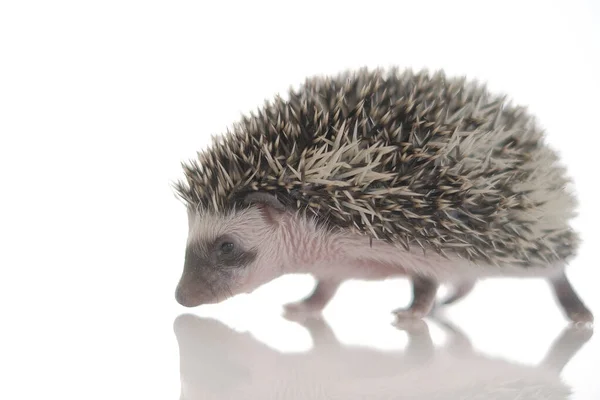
(374, 174)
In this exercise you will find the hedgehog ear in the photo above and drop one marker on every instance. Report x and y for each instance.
(268, 203)
(267, 199)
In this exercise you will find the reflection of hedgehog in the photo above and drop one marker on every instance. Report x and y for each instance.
(217, 362)
(370, 175)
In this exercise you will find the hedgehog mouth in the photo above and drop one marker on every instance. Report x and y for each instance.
(195, 298)
(188, 303)
(187, 300)
(191, 299)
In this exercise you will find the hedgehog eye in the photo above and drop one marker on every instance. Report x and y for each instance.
(227, 248)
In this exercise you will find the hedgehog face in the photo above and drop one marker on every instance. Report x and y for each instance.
(227, 254)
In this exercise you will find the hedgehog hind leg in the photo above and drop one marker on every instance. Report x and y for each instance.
(316, 301)
(568, 299)
(424, 292)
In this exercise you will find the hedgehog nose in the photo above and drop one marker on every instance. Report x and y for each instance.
(183, 297)
(180, 297)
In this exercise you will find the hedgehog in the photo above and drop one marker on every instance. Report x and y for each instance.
(373, 174)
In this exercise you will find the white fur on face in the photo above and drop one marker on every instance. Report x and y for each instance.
(253, 231)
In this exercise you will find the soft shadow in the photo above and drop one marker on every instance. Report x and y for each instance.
(218, 362)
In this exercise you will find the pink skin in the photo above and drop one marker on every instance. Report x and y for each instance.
(286, 242)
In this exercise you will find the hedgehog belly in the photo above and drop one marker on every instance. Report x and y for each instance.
(361, 269)
(372, 260)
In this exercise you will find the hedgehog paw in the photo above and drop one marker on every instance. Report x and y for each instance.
(411, 325)
(581, 317)
(409, 313)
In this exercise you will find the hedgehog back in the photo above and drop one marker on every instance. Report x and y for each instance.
(415, 159)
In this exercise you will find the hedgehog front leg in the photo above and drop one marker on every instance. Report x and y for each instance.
(317, 300)
(424, 292)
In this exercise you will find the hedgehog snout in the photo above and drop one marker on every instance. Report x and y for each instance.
(185, 298)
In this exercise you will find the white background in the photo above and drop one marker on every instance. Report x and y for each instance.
(99, 103)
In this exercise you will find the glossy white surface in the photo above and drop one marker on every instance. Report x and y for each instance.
(100, 101)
